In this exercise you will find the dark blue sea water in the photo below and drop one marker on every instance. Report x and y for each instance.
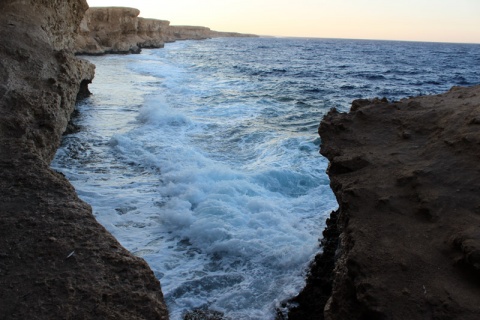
(202, 157)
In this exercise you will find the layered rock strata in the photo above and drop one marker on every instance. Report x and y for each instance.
(56, 261)
(406, 178)
(120, 30)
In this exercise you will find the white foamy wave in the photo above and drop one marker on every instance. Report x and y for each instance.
(160, 114)
(235, 227)
(225, 206)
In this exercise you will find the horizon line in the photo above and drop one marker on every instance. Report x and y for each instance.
(366, 39)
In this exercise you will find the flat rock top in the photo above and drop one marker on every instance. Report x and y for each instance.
(407, 177)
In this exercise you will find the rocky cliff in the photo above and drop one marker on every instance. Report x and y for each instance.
(406, 178)
(120, 30)
(152, 32)
(56, 261)
(107, 30)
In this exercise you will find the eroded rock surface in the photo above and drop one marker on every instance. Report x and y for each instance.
(152, 32)
(406, 178)
(120, 30)
(56, 261)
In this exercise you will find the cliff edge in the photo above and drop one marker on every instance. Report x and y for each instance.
(56, 261)
(406, 178)
(106, 30)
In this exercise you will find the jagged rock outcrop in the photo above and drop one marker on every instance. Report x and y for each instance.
(56, 261)
(406, 178)
(120, 30)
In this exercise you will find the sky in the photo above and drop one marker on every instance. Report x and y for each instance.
(413, 20)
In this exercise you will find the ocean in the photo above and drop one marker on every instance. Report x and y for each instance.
(202, 157)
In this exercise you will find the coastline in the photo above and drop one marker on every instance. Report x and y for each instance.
(120, 30)
(413, 226)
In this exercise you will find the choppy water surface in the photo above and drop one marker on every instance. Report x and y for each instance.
(202, 157)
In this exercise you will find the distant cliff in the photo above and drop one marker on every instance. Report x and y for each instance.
(56, 261)
(120, 30)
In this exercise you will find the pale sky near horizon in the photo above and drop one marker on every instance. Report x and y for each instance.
(416, 20)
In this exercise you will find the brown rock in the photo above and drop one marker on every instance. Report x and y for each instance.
(56, 261)
(152, 32)
(175, 33)
(409, 207)
(109, 30)
(120, 30)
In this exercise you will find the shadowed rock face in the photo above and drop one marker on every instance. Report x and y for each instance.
(406, 178)
(56, 261)
(120, 30)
